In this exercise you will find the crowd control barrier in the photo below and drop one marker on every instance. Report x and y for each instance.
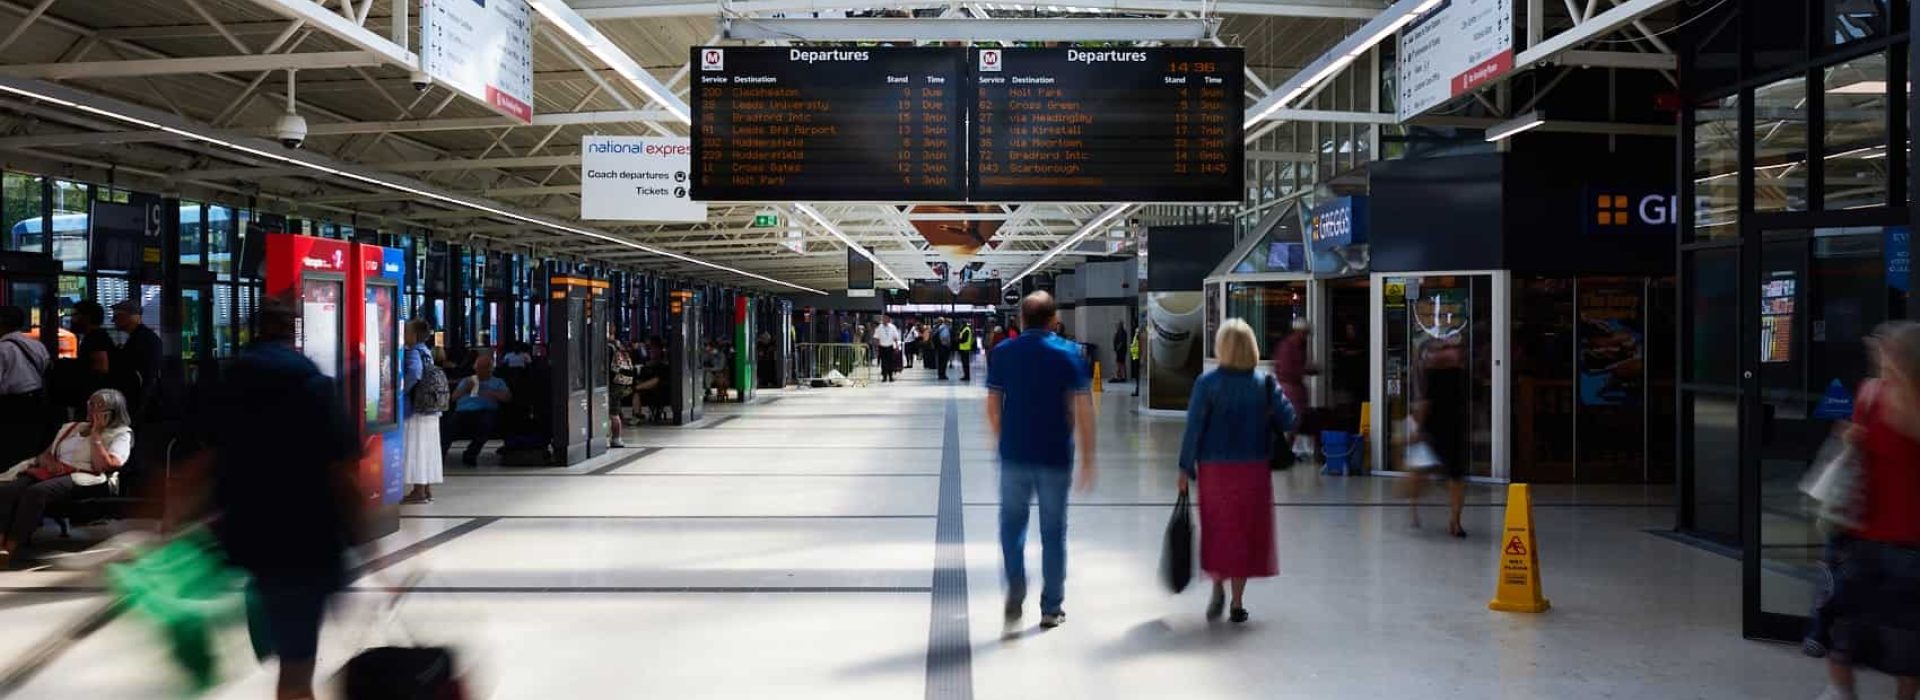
(817, 362)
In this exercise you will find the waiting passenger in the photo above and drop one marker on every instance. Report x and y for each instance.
(82, 454)
(96, 354)
(427, 397)
(476, 409)
(621, 366)
(23, 371)
(1877, 577)
(136, 366)
(1231, 419)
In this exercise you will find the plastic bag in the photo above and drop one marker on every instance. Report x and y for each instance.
(1834, 482)
(1176, 556)
(186, 587)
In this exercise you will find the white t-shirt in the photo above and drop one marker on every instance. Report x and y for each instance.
(886, 335)
(77, 451)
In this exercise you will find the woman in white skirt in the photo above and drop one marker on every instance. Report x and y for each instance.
(424, 463)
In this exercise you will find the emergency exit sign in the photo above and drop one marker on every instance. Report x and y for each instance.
(766, 220)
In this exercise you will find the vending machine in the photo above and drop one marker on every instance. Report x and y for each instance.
(351, 334)
(379, 378)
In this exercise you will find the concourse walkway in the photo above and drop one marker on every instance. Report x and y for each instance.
(840, 543)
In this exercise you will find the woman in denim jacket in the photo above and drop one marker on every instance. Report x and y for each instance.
(1230, 422)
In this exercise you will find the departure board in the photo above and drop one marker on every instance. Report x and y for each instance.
(1106, 125)
(828, 124)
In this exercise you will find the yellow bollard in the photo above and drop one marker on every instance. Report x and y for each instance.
(1518, 588)
(1099, 380)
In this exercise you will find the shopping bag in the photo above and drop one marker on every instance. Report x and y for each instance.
(186, 587)
(1419, 455)
(1834, 483)
(1176, 557)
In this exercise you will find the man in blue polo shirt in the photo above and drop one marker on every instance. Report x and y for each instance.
(1038, 403)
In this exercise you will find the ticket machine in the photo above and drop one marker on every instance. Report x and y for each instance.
(350, 330)
(687, 387)
(577, 322)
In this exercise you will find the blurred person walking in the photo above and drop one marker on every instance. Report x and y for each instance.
(1039, 405)
(1439, 422)
(886, 337)
(23, 395)
(427, 397)
(1875, 598)
(1231, 420)
(1290, 369)
(283, 452)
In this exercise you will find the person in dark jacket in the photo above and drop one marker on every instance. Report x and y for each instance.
(283, 450)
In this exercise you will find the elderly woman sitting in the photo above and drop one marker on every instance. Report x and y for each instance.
(82, 454)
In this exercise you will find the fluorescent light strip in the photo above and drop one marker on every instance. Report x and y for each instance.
(600, 46)
(1071, 241)
(811, 213)
(1523, 123)
(456, 201)
(1358, 50)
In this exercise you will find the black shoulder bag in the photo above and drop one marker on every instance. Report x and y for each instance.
(1280, 449)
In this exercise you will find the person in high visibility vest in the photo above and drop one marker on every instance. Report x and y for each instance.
(966, 351)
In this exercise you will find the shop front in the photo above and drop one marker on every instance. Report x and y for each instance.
(1794, 247)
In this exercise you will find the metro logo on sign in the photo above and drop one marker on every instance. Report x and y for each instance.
(990, 60)
(713, 59)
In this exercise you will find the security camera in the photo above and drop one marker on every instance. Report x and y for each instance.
(291, 130)
(421, 81)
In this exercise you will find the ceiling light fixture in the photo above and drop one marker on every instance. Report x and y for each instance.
(1393, 24)
(584, 34)
(378, 182)
(1086, 230)
(833, 230)
(1520, 124)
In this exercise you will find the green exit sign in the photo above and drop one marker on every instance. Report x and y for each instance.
(766, 220)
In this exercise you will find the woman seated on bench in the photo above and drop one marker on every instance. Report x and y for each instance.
(82, 454)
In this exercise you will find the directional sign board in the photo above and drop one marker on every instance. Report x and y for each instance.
(482, 49)
(1454, 49)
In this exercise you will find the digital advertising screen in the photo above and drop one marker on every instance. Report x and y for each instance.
(381, 395)
(319, 328)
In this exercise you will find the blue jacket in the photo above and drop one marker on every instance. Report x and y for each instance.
(1228, 418)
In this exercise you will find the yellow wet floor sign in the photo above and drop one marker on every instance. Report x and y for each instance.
(1518, 589)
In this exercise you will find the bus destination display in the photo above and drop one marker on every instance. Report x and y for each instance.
(1106, 125)
(816, 123)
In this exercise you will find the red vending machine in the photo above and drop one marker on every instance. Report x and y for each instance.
(352, 337)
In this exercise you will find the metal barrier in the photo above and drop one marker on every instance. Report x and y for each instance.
(819, 360)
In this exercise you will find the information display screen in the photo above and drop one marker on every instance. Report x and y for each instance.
(1106, 125)
(862, 124)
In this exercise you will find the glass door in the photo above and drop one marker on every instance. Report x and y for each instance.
(1440, 325)
(1817, 297)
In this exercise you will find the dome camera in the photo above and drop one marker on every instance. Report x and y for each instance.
(421, 81)
(291, 130)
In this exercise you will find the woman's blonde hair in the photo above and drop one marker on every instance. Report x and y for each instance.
(1234, 344)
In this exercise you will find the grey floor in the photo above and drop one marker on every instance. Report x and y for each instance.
(791, 548)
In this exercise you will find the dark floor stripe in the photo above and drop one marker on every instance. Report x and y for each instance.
(637, 455)
(645, 589)
(949, 651)
(1429, 503)
(416, 549)
(717, 421)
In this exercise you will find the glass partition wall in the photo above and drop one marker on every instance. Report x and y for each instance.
(1794, 249)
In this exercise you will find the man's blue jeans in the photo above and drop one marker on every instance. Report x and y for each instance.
(1019, 483)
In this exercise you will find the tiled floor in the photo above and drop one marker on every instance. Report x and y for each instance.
(791, 552)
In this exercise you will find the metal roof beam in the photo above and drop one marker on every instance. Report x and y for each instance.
(208, 64)
(476, 123)
(964, 29)
(344, 29)
(599, 10)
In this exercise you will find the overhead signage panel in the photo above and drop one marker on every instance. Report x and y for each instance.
(1452, 50)
(637, 178)
(482, 49)
(1102, 125)
(827, 124)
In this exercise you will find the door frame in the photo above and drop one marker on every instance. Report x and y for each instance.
(1501, 418)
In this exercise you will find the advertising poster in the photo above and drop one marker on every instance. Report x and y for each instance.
(482, 49)
(1175, 322)
(1776, 318)
(1612, 345)
(1452, 50)
(637, 178)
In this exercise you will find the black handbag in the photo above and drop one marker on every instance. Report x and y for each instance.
(1280, 449)
(1176, 557)
(402, 673)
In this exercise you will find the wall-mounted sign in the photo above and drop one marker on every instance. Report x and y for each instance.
(1338, 222)
(637, 178)
(1452, 50)
(1616, 210)
(482, 49)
